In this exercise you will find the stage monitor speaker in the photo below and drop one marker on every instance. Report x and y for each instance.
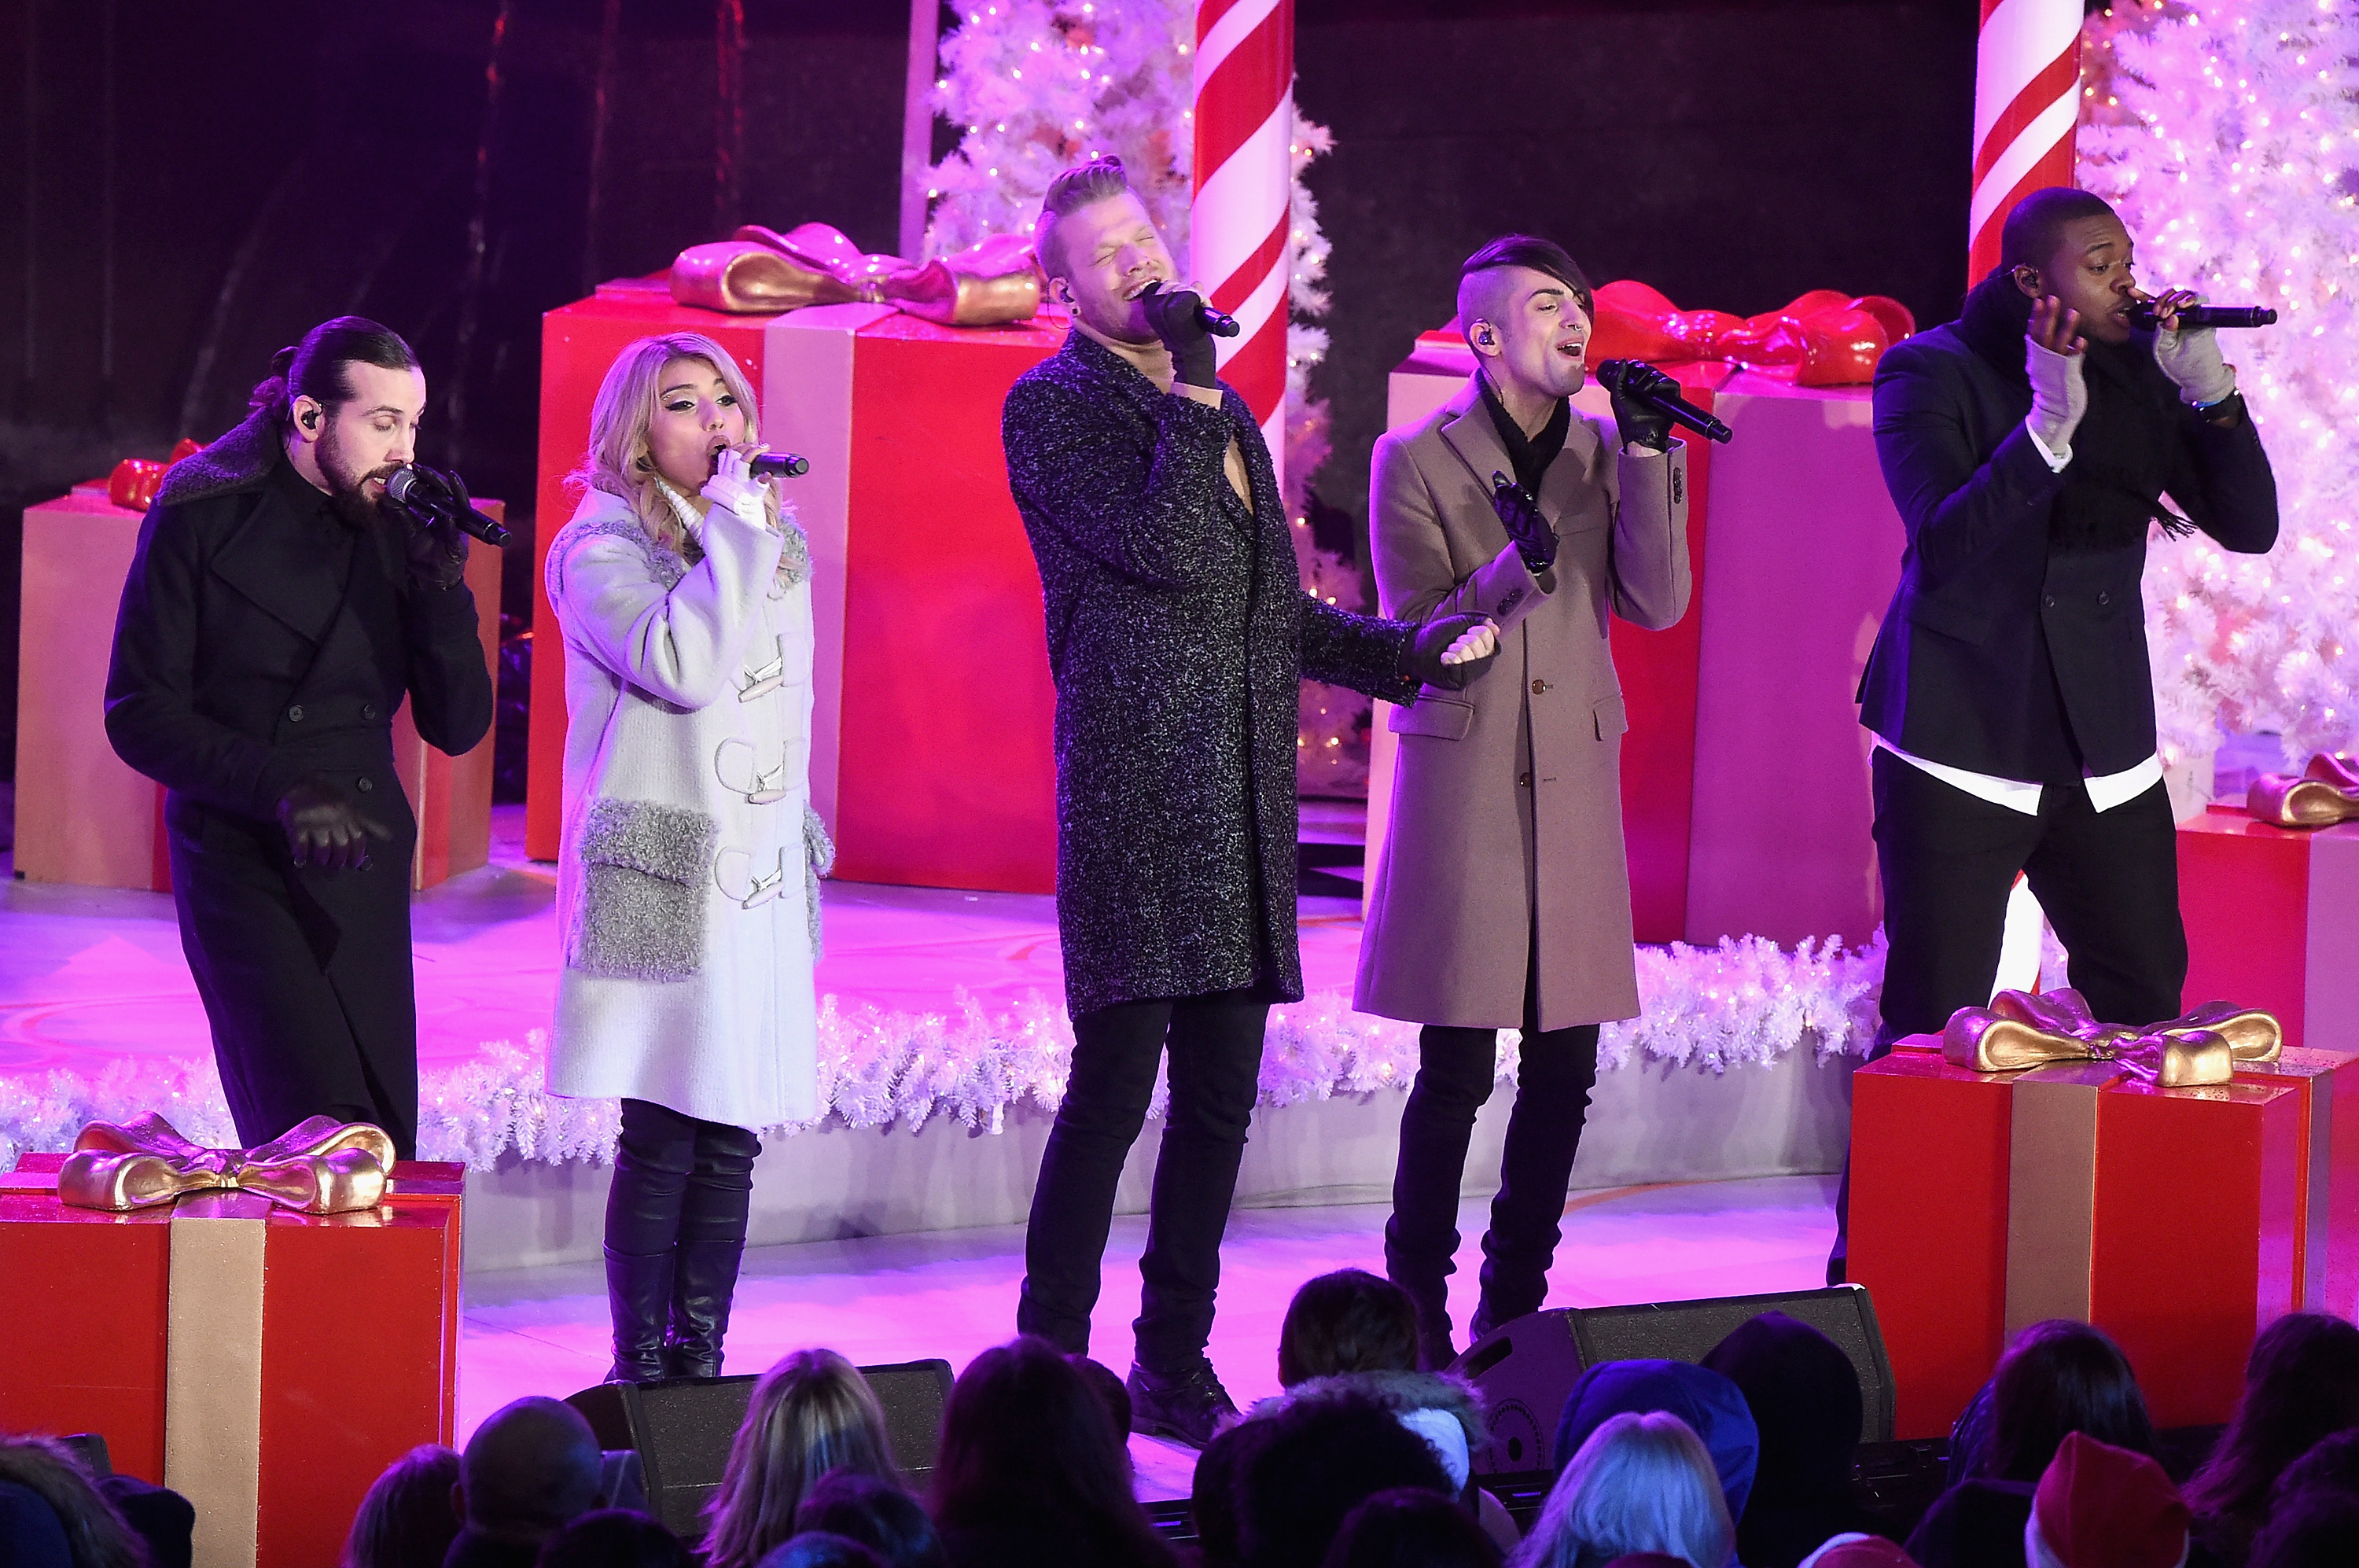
(682, 1429)
(1526, 1369)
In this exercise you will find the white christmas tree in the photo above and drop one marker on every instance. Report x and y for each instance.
(2227, 132)
(1039, 85)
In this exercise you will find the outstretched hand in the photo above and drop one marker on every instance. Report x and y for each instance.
(1451, 650)
(2055, 359)
(2056, 326)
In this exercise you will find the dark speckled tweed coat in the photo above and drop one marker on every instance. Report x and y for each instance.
(1179, 634)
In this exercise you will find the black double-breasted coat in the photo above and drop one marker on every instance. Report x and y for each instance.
(262, 640)
(1179, 637)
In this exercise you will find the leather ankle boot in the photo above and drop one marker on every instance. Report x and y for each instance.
(639, 1295)
(705, 1279)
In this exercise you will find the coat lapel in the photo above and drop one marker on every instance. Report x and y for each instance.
(292, 569)
(1466, 426)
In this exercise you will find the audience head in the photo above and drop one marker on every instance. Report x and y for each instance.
(1410, 1527)
(2101, 1507)
(878, 1515)
(2061, 1377)
(1637, 1483)
(1349, 1321)
(407, 1520)
(2310, 1530)
(613, 1538)
(810, 1414)
(1803, 1393)
(1112, 1392)
(1324, 1456)
(819, 1549)
(532, 1467)
(1707, 1403)
(93, 1532)
(1213, 1497)
(2331, 1465)
(2301, 1384)
(1025, 1443)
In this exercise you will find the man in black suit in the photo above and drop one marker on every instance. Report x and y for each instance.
(2029, 446)
(273, 619)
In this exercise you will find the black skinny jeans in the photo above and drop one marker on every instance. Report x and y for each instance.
(1555, 1072)
(1215, 1071)
(677, 1180)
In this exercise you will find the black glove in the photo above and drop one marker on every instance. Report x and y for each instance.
(436, 549)
(1639, 422)
(1520, 516)
(326, 825)
(1175, 320)
(1421, 660)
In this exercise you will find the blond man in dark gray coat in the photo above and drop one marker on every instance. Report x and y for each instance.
(1503, 898)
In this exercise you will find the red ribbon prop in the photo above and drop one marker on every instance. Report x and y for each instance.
(136, 480)
(1824, 338)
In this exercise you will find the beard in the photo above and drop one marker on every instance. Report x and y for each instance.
(347, 483)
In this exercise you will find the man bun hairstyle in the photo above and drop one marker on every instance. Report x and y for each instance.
(1522, 250)
(2036, 226)
(1085, 184)
(315, 368)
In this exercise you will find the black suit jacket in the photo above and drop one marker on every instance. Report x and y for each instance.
(1980, 585)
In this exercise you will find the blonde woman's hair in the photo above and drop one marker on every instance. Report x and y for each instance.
(1641, 1483)
(620, 462)
(811, 1414)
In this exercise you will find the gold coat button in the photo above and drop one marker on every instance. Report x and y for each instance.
(1538, 687)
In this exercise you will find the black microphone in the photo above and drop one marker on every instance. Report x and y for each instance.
(2142, 314)
(424, 496)
(1636, 378)
(1220, 324)
(785, 464)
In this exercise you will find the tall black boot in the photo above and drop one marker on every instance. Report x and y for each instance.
(1453, 1079)
(652, 1161)
(711, 1245)
(1553, 1079)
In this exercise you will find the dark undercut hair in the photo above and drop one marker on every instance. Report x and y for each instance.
(1083, 185)
(1526, 250)
(316, 367)
(2035, 227)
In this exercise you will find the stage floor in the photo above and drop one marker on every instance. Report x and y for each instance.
(904, 1298)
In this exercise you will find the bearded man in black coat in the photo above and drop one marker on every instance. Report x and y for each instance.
(2029, 446)
(1179, 634)
(273, 619)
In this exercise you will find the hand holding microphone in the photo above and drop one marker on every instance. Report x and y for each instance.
(2188, 349)
(1186, 326)
(422, 494)
(1647, 403)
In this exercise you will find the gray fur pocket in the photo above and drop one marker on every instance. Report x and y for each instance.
(642, 909)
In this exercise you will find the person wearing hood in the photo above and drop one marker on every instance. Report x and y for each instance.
(1804, 1395)
(2029, 446)
(1710, 1404)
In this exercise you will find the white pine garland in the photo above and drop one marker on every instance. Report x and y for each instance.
(2227, 132)
(1746, 1002)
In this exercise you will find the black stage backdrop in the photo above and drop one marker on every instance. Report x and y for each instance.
(187, 187)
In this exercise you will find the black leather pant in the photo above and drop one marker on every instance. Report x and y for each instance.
(1557, 1069)
(1215, 1070)
(678, 1179)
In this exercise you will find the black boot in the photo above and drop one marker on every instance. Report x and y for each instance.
(1453, 1079)
(1187, 1402)
(712, 1218)
(643, 1207)
(639, 1295)
(705, 1279)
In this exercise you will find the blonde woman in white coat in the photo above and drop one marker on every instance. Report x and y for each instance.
(688, 870)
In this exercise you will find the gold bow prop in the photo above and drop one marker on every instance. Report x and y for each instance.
(319, 1166)
(2326, 793)
(2020, 1030)
(1823, 338)
(758, 270)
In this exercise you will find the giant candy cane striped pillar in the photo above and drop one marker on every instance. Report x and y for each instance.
(2027, 100)
(1245, 180)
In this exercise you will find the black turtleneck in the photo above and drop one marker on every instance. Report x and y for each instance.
(1530, 455)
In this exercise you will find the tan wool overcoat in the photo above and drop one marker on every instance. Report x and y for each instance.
(1506, 800)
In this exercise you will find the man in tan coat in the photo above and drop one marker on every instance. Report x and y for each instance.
(1503, 898)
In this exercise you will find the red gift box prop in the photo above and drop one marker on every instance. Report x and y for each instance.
(2272, 918)
(932, 755)
(266, 1364)
(2180, 1221)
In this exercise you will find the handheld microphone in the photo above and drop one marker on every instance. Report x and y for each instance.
(2142, 314)
(785, 464)
(1636, 378)
(424, 496)
(1220, 324)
